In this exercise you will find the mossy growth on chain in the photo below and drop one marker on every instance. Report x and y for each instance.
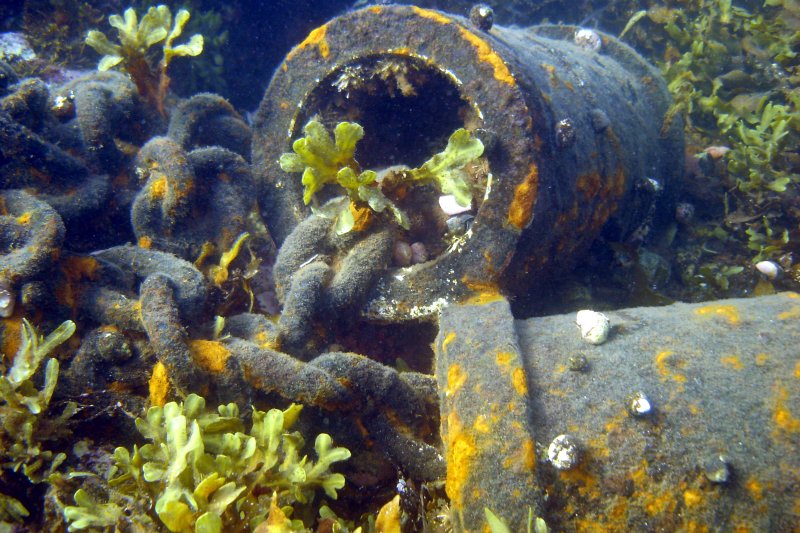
(136, 37)
(202, 471)
(324, 160)
(25, 426)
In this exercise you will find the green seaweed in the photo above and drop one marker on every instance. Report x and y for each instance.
(201, 471)
(24, 425)
(535, 524)
(324, 160)
(135, 40)
(733, 74)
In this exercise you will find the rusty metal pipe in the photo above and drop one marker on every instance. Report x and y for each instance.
(576, 139)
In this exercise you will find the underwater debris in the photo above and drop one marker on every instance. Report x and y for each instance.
(516, 226)
(207, 119)
(178, 185)
(484, 403)
(135, 39)
(313, 292)
(31, 234)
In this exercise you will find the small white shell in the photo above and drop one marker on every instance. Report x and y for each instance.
(7, 298)
(449, 205)
(770, 269)
(588, 39)
(594, 326)
(639, 404)
(563, 453)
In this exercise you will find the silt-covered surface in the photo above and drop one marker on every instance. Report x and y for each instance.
(723, 379)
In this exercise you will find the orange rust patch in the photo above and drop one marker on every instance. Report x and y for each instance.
(375, 9)
(362, 217)
(781, 415)
(521, 209)
(728, 312)
(80, 267)
(797, 369)
(485, 291)
(159, 385)
(519, 382)
(589, 185)
(794, 312)
(583, 480)
(145, 242)
(754, 488)
(315, 38)
(761, 359)
(731, 361)
(24, 219)
(456, 377)
(504, 358)
(522, 459)
(692, 497)
(487, 55)
(528, 454)
(158, 187)
(431, 15)
(75, 269)
(210, 355)
(665, 365)
(450, 337)
(11, 337)
(481, 425)
(461, 452)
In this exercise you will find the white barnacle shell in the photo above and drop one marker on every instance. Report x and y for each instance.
(563, 452)
(770, 269)
(588, 39)
(594, 326)
(639, 404)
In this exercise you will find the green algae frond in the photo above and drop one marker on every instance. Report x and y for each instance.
(136, 37)
(24, 428)
(202, 471)
(324, 160)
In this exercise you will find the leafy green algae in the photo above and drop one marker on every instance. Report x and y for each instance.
(202, 471)
(24, 428)
(324, 160)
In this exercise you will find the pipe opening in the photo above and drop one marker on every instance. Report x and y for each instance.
(408, 109)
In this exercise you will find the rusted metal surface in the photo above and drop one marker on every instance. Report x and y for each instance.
(573, 138)
(717, 450)
(483, 401)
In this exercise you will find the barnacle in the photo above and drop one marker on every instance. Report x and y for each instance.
(202, 471)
